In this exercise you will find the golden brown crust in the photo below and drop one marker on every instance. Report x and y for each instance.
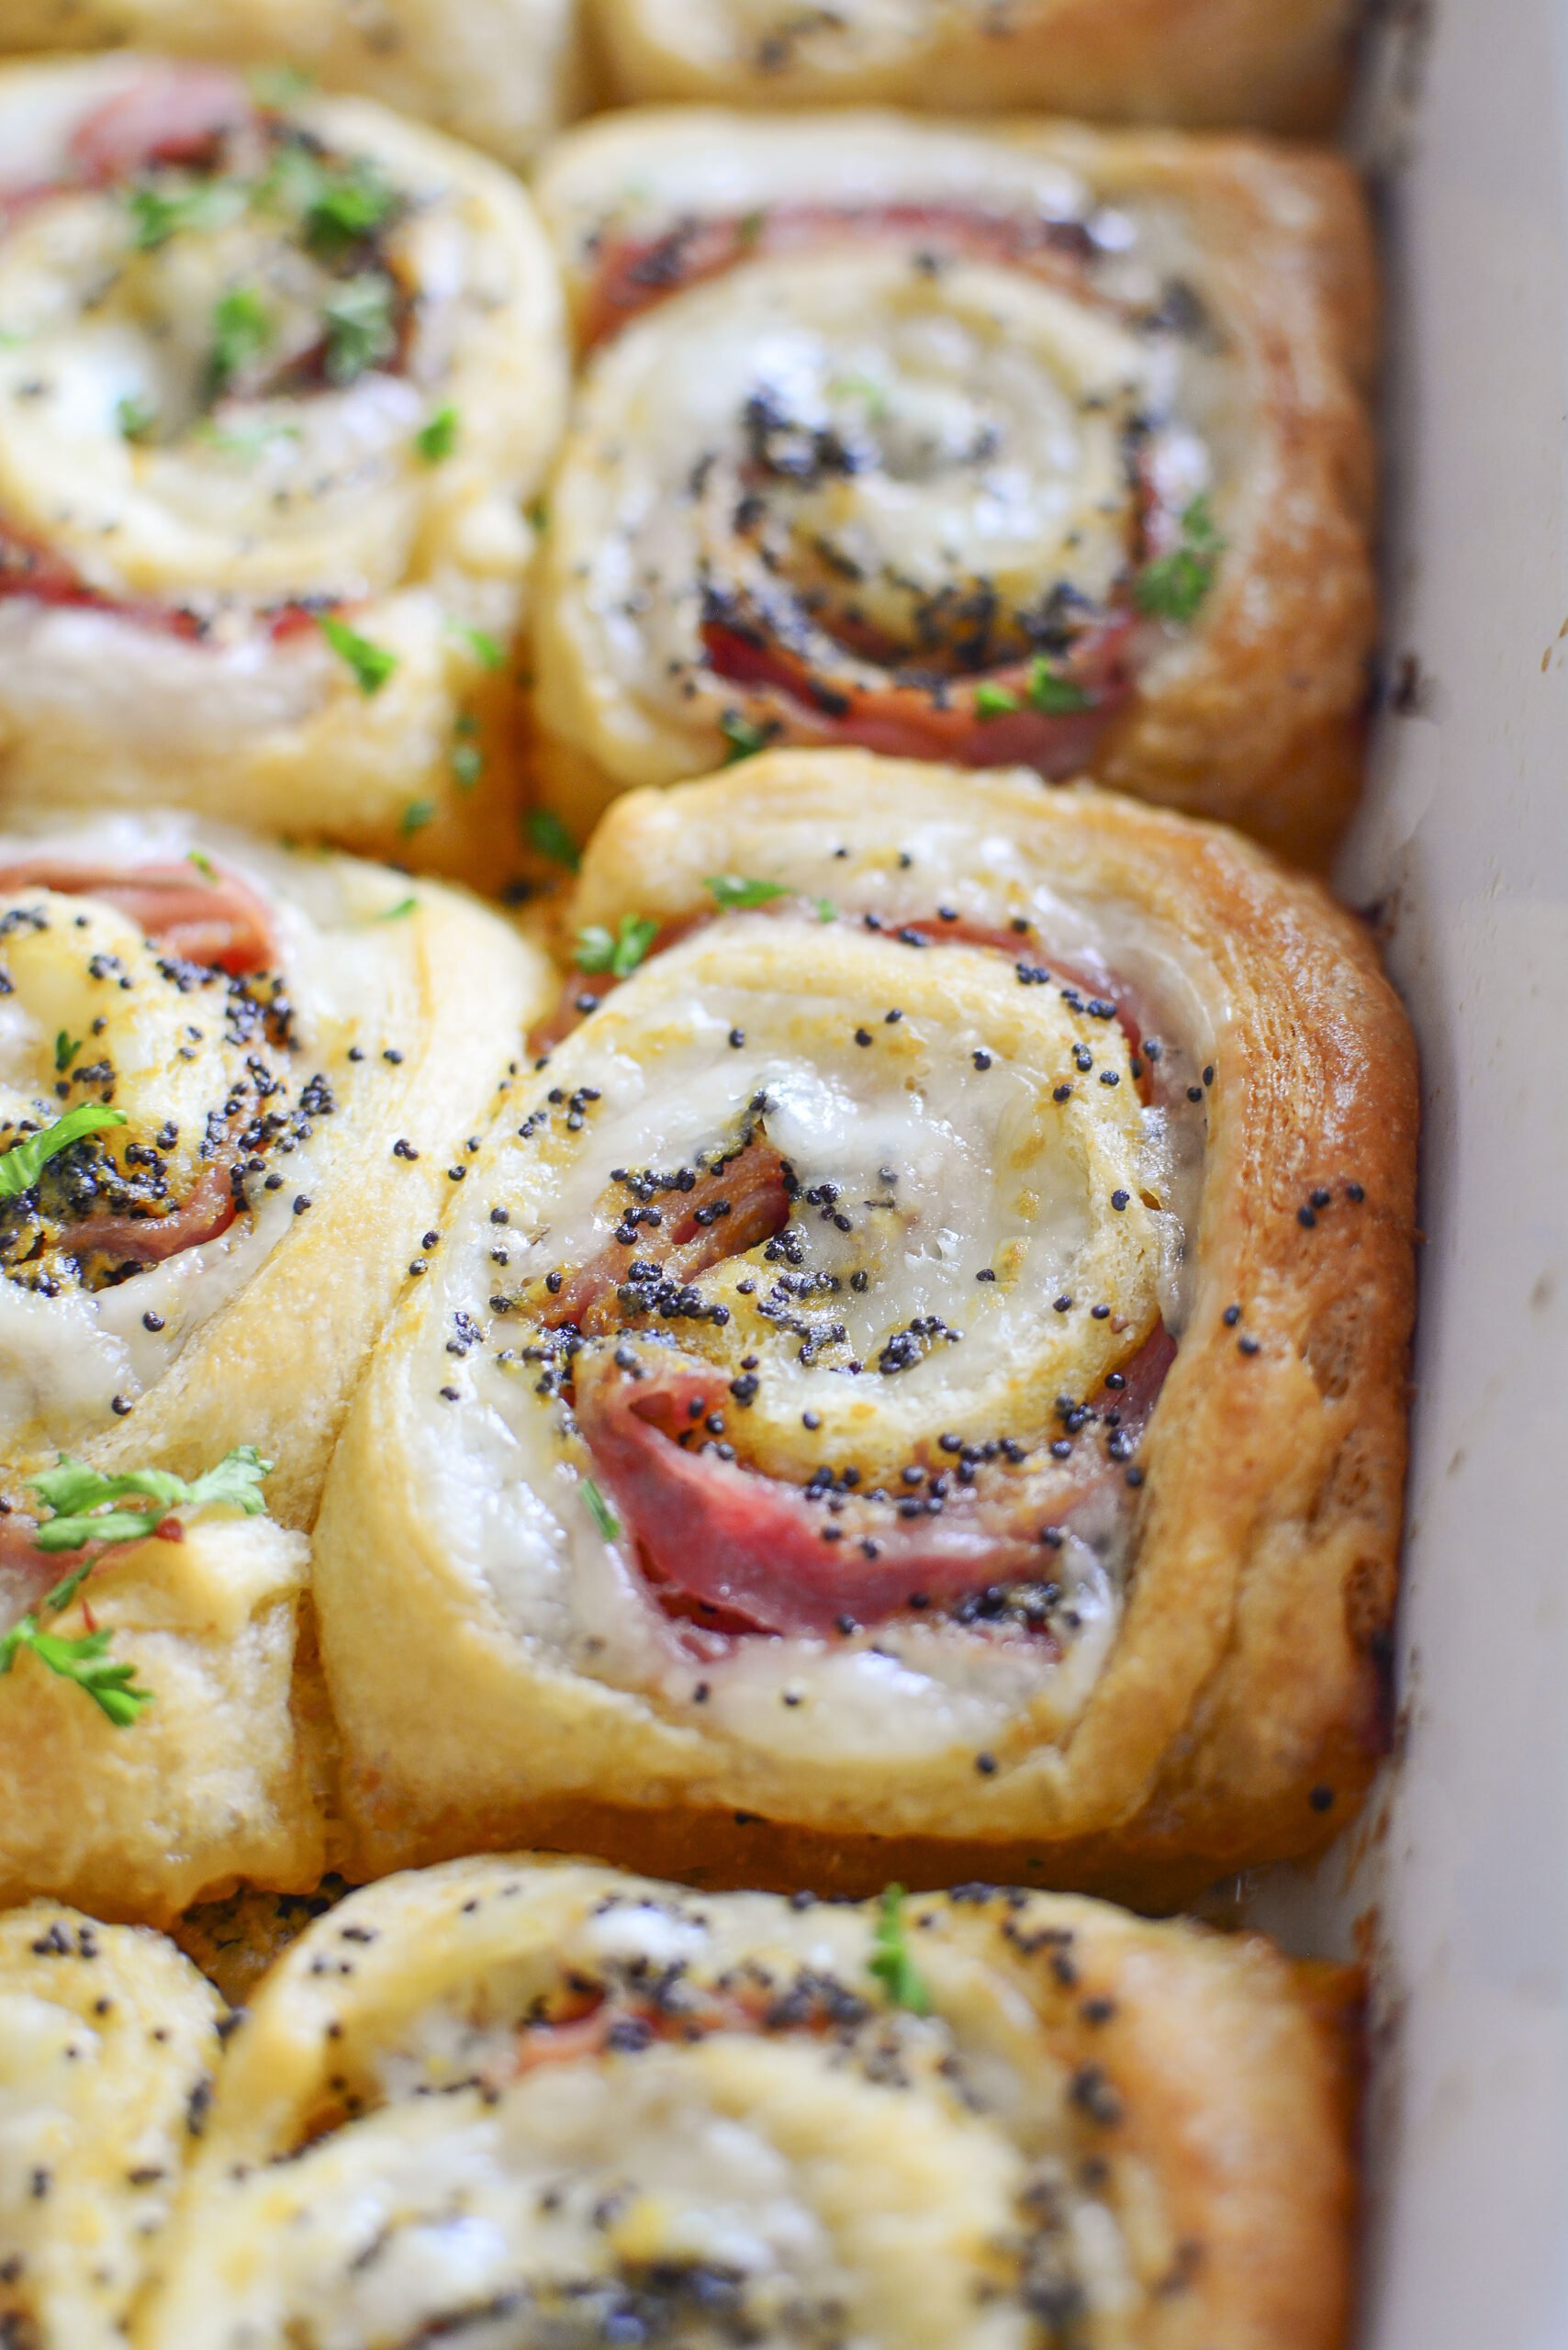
(1253, 713)
(1201, 62)
(1198, 2089)
(1241, 1708)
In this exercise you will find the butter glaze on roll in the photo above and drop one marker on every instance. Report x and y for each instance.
(275, 385)
(917, 1376)
(541, 2106)
(1016, 446)
(1277, 64)
(503, 75)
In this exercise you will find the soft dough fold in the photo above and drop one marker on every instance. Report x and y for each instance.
(918, 1372)
(532, 2104)
(277, 381)
(1028, 444)
(1277, 64)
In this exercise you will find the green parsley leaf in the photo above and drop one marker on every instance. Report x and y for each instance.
(826, 910)
(159, 213)
(853, 386)
(732, 890)
(21, 1166)
(393, 913)
(82, 1499)
(249, 443)
(277, 87)
(744, 738)
(416, 816)
(135, 417)
(241, 330)
(66, 1049)
(438, 438)
(603, 1517)
(547, 833)
(112, 1687)
(203, 863)
(468, 765)
(345, 204)
(539, 515)
(598, 950)
(994, 701)
(749, 228)
(358, 319)
(372, 664)
(1172, 587)
(486, 650)
(890, 1961)
(1055, 695)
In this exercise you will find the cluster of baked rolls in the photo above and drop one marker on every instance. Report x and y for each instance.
(804, 1285)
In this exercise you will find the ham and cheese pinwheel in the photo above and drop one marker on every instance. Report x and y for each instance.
(275, 385)
(108, 2044)
(918, 1371)
(526, 2105)
(1029, 445)
(235, 1088)
(502, 73)
(1277, 63)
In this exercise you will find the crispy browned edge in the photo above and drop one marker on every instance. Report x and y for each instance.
(1274, 1480)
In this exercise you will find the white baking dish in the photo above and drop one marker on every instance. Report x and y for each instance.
(1458, 1883)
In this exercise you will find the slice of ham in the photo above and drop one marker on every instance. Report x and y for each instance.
(729, 1540)
(215, 919)
(729, 1210)
(913, 723)
(636, 273)
(168, 113)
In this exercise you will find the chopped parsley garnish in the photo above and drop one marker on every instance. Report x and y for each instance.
(159, 213)
(438, 438)
(358, 319)
(241, 330)
(1174, 585)
(743, 738)
(1058, 696)
(603, 1517)
(416, 816)
(890, 1961)
(276, 87)
(547, 833)
(203, 863)
(618, 952)
(394, 914)
(86, 1660)
(486, 650)
(826, 910)
(864, 388)
(66, 1049)
(343, 206)
(136, 420)
(372, 664)
(994, 701)
(82, 1501)
(468, 765)
(21, 1166)
(734, 889)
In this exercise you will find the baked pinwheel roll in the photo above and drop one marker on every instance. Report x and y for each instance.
(502, 73)
(108, 2044)
(1023, 446)
(275, 382)
(235, 1088)
(536, 2105)
(1279, 64)
(235, 1081)
(918, 1372)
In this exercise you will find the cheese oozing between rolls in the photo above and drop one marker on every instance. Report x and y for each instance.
(504, 74)
(1279, 64)
(912, 1359)
(108, 2044)
(274, 383)
(1017, 446)
(529, 2104)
